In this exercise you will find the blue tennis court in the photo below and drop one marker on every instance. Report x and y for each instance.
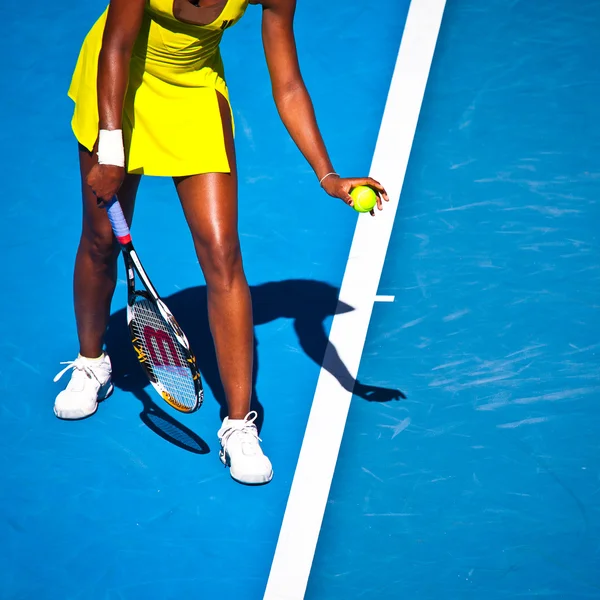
(455, 369)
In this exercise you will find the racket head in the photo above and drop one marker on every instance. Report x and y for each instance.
(164, 352)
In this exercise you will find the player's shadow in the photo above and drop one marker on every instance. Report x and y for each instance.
(308, 303)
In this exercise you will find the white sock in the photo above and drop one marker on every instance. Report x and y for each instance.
(92, 360)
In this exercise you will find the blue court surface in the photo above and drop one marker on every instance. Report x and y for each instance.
(469, 465)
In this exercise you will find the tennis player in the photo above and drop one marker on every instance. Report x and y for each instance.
(151, 99)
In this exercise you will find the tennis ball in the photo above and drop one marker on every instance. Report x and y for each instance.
(364, 198)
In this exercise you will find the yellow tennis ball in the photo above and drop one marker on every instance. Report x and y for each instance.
(364, 198)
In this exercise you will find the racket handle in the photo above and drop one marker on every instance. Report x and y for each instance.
(118, 222)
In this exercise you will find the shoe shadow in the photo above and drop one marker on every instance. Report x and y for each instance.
(307, 302)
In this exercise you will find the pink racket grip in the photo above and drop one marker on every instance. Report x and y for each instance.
(118, 222)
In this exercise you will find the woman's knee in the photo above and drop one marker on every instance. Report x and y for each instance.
(99, 244)
(221, 261)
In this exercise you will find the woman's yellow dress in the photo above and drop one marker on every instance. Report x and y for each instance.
(171, 120)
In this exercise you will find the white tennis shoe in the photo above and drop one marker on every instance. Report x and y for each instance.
(90, 383)
(241, 451)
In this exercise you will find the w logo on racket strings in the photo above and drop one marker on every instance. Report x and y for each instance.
(161, 348)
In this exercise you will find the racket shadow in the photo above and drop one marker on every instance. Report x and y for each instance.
(307, 303)
(168, 428)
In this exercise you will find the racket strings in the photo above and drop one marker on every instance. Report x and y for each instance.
(163, 356)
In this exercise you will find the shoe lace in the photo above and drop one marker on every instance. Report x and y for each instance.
(246, 431)
(77, 366)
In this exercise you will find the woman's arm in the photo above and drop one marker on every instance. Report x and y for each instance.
(293, 101)
(122, 26)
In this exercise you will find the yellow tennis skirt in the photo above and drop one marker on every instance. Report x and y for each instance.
(172, 124)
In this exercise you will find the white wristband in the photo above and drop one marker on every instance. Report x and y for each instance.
(110, 148)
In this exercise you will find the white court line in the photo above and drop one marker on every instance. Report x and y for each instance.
(385, 298)
(318, 456)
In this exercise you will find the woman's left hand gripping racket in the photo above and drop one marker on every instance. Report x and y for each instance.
(158, 341)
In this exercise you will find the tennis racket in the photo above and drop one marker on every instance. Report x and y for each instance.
(159, 343)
